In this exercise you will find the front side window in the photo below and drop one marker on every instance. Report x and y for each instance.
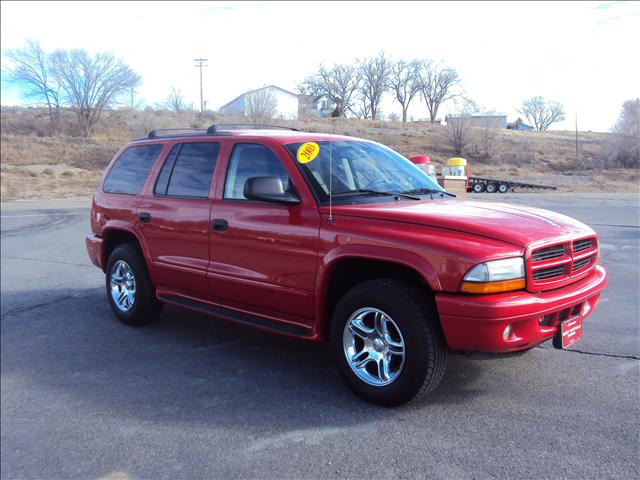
(252, 160)
(188, 170)
(131, 170)
(356, 168)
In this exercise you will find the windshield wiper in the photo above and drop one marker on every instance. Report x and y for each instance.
(377, 192)
(418, 191)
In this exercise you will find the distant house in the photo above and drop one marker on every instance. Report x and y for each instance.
(287, 104)
(479, 119)
(315, 106)
(519, 124)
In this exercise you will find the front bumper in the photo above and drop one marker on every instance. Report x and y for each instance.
(94, 249)
(481, 322)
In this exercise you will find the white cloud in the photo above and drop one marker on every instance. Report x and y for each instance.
(580, 54)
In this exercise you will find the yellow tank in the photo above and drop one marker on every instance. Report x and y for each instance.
(457, 162)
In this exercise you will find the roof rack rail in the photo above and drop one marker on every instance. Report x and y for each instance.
(154, 133)
(217, 128)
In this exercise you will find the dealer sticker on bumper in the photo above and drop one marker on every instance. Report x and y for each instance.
(570, 332)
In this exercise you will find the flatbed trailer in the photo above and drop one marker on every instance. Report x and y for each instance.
(493, 185)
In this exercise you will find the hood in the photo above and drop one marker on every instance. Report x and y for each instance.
(517, 225)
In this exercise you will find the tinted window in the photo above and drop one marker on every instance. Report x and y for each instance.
(165, 173)
(251, 160)
(131, 170)
(188, 170)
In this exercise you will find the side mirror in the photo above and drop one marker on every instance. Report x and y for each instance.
(269, 189)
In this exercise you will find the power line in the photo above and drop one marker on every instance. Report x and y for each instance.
(200, 64)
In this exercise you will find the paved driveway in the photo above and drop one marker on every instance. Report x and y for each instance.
(189, 397)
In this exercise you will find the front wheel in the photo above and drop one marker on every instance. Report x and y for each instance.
(387, 342)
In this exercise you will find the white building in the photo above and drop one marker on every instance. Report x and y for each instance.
(286, 102)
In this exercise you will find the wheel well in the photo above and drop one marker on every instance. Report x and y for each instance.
(114, 238)
(350, 272)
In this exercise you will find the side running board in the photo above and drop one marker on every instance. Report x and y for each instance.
(234, 316)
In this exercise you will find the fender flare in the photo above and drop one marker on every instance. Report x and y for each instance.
(366, 252)
(118, 225)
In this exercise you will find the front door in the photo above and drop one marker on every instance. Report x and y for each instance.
(263, 255)
(174, 216)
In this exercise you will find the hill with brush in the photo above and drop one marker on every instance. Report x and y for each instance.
(37, 165)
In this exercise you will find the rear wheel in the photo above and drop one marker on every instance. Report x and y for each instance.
(478, 188)
(492, 188)
(503, 188)
(387, 342)
(131, 294)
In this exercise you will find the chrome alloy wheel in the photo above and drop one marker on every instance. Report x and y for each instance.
(373, 346)
(123, 286)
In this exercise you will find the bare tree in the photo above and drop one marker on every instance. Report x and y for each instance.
(361, 108)
(541, 113)
(624, 150)
(338, 84)
(459, 128)
(393, 117)
(31, 70)
(374, 75)
(175, 101)
(437, 85)
(91, 84)
(261, 105)
(404, 81)
(486, 135)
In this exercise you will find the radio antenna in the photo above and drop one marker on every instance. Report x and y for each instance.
(331, 177)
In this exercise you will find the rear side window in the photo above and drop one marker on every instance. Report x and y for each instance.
(188, 170)
(252, 160)
(131, 170)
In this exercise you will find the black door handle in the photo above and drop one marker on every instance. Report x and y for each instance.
(144, 217)
(219, 224)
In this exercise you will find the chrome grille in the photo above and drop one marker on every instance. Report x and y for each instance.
(582, 245)
(581, 263)
(549, 273)
(548, 253)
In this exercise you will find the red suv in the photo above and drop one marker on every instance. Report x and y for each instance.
(325, 237)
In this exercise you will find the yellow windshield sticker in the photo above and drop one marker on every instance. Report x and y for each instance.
(308, 152)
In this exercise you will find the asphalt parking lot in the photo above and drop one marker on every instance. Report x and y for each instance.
(190, 397)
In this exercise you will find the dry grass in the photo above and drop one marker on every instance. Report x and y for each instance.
(35, 164)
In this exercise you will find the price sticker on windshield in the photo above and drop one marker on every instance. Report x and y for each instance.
(308, 152)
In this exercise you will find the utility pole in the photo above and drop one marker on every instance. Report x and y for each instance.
(200, 64)
(577, 155)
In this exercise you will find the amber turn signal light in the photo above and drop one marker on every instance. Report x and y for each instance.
(493, 287)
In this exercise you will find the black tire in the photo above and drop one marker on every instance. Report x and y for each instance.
(503, 188)
(492, 188)
(478, 188)
(146, 308)
(425, 349)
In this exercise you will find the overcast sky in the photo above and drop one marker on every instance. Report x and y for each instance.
(584, 55)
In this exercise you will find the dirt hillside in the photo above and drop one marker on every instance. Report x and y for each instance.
(37, 165)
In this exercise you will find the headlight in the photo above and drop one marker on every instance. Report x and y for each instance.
(495, 276)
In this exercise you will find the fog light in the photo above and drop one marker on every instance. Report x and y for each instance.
(507, 332)
(586, 308)
(546, 320)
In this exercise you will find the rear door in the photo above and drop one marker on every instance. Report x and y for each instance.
(174, 216)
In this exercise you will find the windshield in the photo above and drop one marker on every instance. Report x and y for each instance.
(358, 168)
